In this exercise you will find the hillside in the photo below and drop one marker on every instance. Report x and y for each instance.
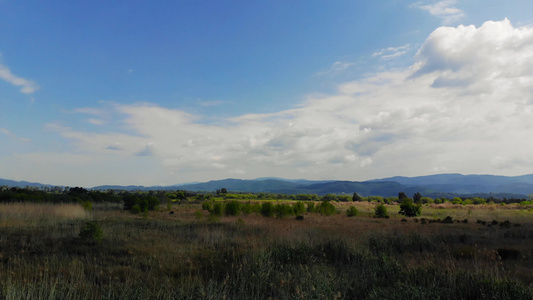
(433, 185)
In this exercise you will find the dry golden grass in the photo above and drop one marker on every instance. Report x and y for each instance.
(31, 213)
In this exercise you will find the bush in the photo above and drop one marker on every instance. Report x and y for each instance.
(153, 203)
(247, 208)
(283, 210)
(409, 209)
(447, 220)
(381, 211)
(326, 208)
(352, 211)
(310, 206)
(267, 209)
(217, 209)
(130, 200)
(299, 208)
(91, 232)
(145, 202)
(207, 205)
(233, 208)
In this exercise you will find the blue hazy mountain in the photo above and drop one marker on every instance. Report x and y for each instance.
(431, 185)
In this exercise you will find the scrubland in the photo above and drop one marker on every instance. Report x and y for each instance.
(485, 252)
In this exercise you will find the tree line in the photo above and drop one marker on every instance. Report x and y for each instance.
(79, 194)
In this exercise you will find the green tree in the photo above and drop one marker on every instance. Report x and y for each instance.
(417, 198)
(299, 208)
(381, 211)
(91, 232)
(352, 211)
(409, 209)
(326, 208)
(233, 208)
(401, 195)
(282, 210)
(218, 208)
(356, 197)
(267, 209)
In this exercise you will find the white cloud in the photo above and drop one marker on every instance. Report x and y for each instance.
(11, 135)
(465, 106)
(212, 103)
(445, 10)
(337, 68)
(90, 111)
(392, 52)
(27, 86)
(96, 121)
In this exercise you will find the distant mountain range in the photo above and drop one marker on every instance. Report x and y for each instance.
(432, 186)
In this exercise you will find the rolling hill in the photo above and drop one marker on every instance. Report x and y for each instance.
(433, 186)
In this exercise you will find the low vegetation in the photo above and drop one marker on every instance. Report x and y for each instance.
(220, 248)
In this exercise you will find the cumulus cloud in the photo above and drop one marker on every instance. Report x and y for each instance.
(27, 86)
(465, 105)
(445, 10)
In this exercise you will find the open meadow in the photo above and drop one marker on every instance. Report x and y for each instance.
(181, 251)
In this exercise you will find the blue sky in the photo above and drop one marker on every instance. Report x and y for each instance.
(162, 92)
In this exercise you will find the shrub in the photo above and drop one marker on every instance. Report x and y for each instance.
(282, 210)
(267, 209)
(144, 204)
(299, 208)
(246, 208)
(233, 208)
(256, 207)
(409, 209)
(217, 209)
(91, 232)
(130, 200)
(457, 200)
(153, 203)
(447, 220)
(310, 206)
(207, 205)
(505, 224)
(381, 211)
(352, 211)
(326, 208)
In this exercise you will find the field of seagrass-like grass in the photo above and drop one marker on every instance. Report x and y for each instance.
(63, 251)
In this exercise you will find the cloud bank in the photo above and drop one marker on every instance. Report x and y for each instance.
(464, 105)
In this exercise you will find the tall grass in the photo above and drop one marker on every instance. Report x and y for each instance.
(163, 256)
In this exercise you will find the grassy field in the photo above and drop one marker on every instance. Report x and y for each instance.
(189, 255)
